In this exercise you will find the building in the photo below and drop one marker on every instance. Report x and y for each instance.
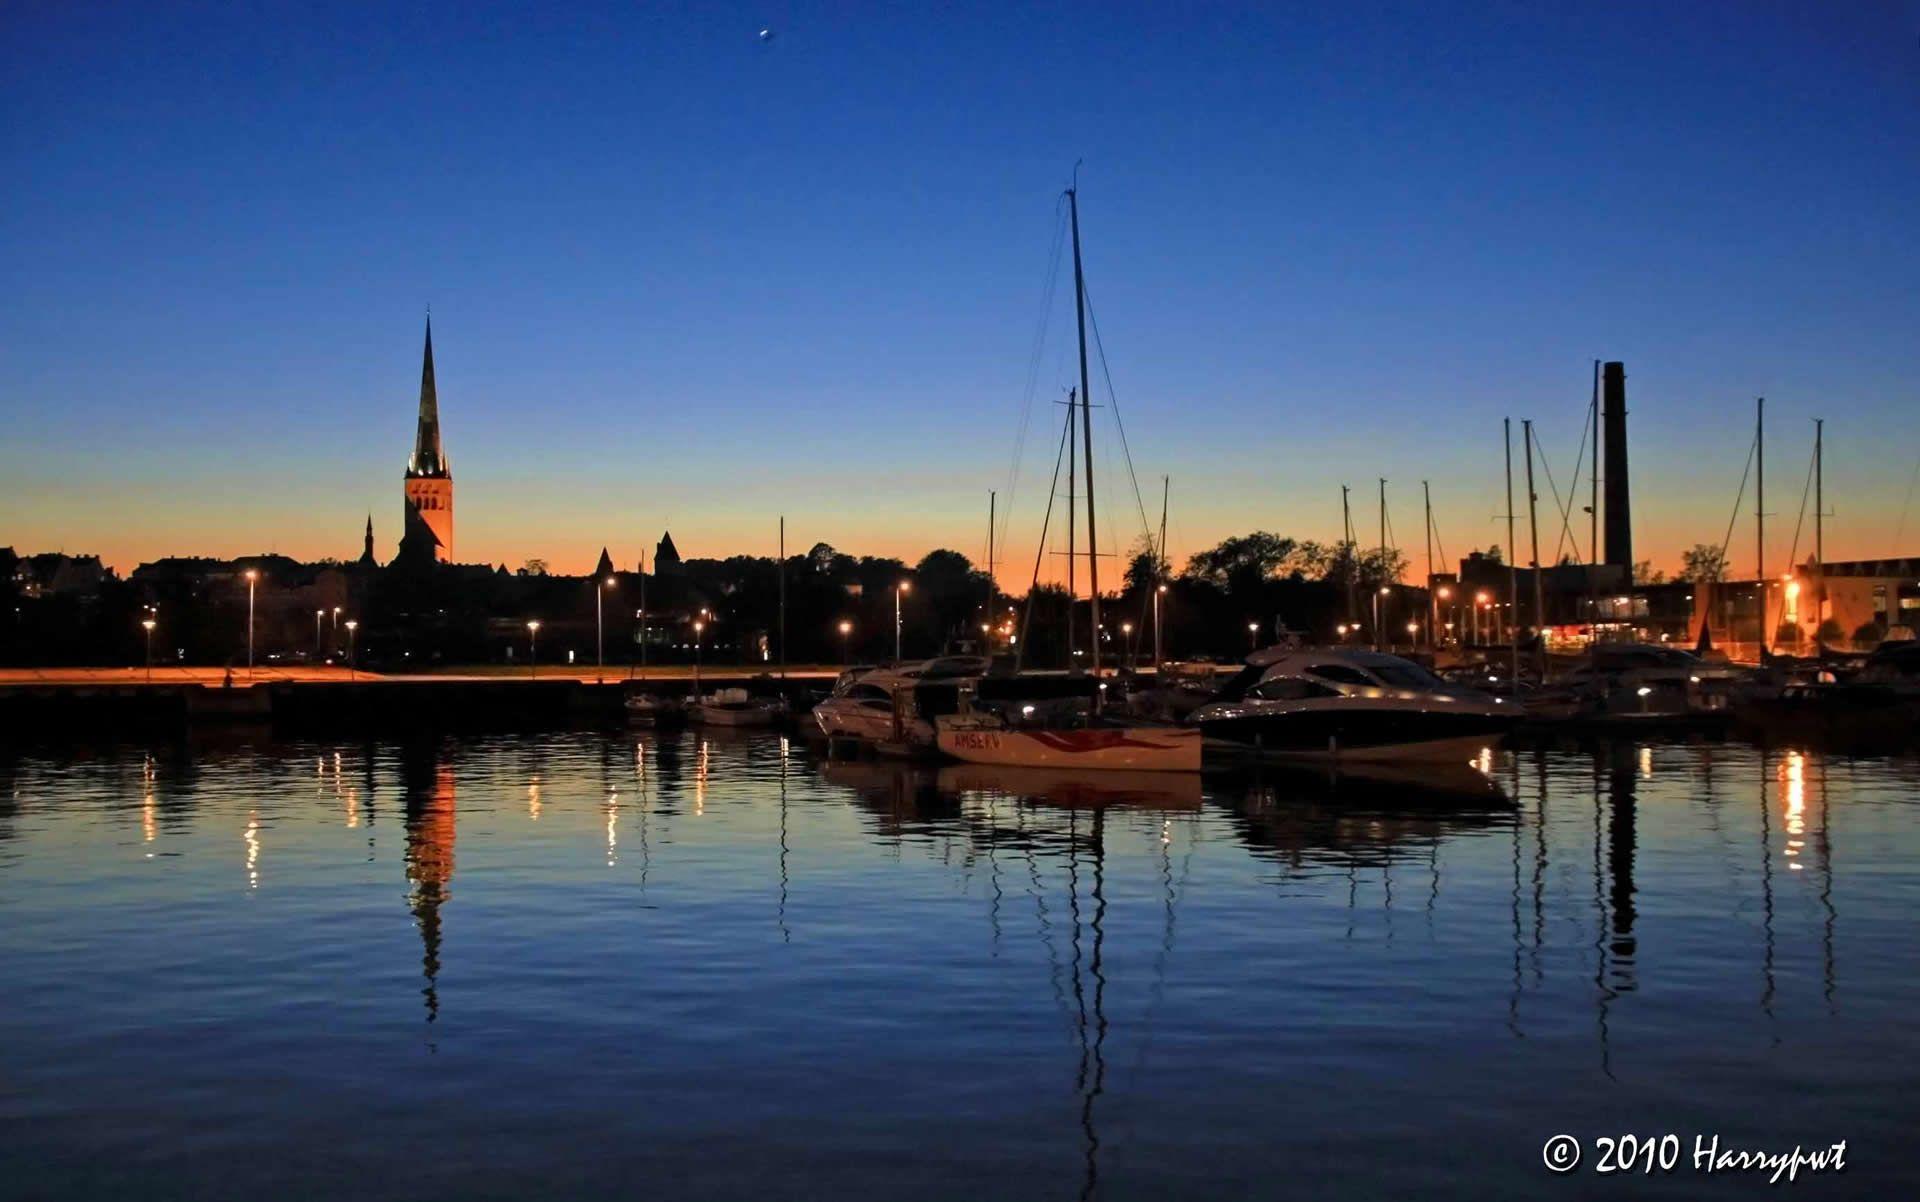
(428, 484)
(1859, 601)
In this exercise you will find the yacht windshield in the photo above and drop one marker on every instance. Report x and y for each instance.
(1407, 676)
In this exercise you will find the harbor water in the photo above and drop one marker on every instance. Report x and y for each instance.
(589, 964)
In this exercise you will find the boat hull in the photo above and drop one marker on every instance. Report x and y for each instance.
(1124, 748)
(713, 715)
(1333, 734)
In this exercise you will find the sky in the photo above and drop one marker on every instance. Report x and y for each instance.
(683, 277)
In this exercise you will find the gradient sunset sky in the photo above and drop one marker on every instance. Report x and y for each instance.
(684, 277)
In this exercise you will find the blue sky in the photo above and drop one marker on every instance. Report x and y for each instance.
(681, 276)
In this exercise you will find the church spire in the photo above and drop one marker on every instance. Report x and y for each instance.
(366, 556)
(429, 459)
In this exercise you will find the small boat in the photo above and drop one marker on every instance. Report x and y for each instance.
(737, 707)
(1349, 705)
(651, 709)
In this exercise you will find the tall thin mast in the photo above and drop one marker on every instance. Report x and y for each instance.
(1593, 510)
(1760, 512)
(1513, 571)
(1819, 528)
(1379, 627)
(1593, 515)
(1086, 426)
(1072, 447)
(1533, 529)
(1426, 494)
(1160, 570)
(1353, 559)
(783, 596)
(993, 583)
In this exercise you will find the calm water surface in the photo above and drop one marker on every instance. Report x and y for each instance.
(589, 964)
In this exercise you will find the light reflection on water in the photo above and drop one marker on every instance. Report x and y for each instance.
(516, 966)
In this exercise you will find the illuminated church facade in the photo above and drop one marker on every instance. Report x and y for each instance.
(428, 483)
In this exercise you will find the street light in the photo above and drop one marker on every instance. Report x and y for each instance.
(698, 628)
(900, 588)
(351, 627)
(1126, 633)
(1253, 636)
(148, 624)
(600, 630)
(846, 629)
(318, 616)
(253, 578)
(533, 649)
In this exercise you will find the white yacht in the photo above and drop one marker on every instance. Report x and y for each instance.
(896, 705)
(1349, 705)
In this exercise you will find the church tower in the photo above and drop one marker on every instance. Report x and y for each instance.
(429, 482)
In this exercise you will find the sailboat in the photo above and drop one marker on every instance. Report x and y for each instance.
(1046, 726)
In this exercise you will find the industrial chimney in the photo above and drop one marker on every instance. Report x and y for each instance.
(1619, 508)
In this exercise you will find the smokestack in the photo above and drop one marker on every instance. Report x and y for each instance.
(1619, 506)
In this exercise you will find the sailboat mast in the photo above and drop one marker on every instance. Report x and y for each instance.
(1086, 426)
(1160, 569)
(1073, 447)
(1353, 559)
(1819, 528)
(1379, 626)
(783, 596)
(1426, 494)
(1513, 570)
(1533, 529)
(1760, 512)
(993, 582)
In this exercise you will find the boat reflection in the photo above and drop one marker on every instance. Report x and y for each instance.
(1348, 819)
(1073, 789)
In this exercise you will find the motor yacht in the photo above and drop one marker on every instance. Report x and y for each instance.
(896, 705)
(1348, 705)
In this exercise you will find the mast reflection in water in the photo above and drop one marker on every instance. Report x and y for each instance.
(718, 961)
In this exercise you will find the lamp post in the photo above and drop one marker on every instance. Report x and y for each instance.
(1378, 630)
(318, 644)
(533, 649)
(148, 624)
(600, 629)
(336, 628)
(1413, 633)
(898, 590)
(1126, 634)
(253, 578)
(351, 627)
(1253, 636)
(1479, 603)
(699, 629)
(1433, 612)
(846, 630)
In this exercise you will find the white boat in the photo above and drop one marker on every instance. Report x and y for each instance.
(984, 738)
(651, 709)
(737, 707)
(895, 706)
(1349, 705)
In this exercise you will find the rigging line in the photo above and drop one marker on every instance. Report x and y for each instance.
(1113, 400)
(1034, 358)
(1566, 527)
(1573, 484)
(1806, 490)
(1738, 497)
